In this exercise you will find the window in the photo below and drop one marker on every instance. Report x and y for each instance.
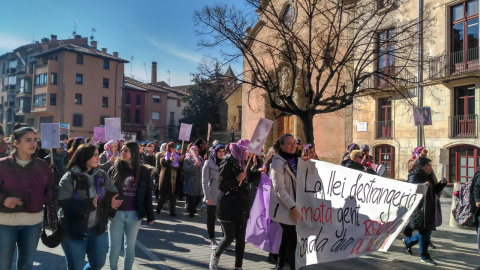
(127, 99)
(41, 79)
(137, 117)
(126, 116)
(77, 120)
(22, 85)
(102, 119)
(79, 78)
(464, 35)
(384, 123)
(53, 78)
(385, 154)
(172, 118)
(178, 103)
(53, 99)
(46, 119)
(137, 100)
(288, 15)
(106, 64)
(104, 101)
(155, 116)
(79, 59)
(12, 65)
(78, 99)
(105, 82)
(464, 120)
(40, 100)
(464, 162)
(386, 51)
(156, 99)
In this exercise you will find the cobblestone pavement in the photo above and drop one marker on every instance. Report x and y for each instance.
(182, 243)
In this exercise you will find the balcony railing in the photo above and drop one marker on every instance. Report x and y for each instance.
(389, 78)
(453, 64)
(384, 129)
(464, 126)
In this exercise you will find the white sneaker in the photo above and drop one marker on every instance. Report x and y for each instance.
(213, 262)
(213, 244)
(231, 248)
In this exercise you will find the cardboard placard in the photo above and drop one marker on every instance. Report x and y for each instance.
(259, 136)
(98, 134)
(50, 135)
(185, 131)
(113, 129)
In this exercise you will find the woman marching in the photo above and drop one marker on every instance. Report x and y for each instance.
(210, 175)
(192, 186)
(26, 184)
(108, 157)
(232, 205)
(86, 197)
(169, 168)
(132, 180)
(282, 199)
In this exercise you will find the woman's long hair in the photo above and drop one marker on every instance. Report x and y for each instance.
(80, 157)
(121, 167)
(76, 143)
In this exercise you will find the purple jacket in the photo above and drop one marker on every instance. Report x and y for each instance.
(33, 184)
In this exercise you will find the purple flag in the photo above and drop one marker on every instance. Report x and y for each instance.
(262, 232)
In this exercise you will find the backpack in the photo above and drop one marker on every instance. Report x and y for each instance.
(465, 208)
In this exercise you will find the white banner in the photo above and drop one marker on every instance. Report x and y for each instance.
(259, 136)
(347, 213)
(50, 135)
(185, 131)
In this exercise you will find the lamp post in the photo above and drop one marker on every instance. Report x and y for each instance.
(420, 69)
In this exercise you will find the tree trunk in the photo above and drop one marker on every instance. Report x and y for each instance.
(307, 120)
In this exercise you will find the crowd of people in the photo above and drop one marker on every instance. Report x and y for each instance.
(97, 194)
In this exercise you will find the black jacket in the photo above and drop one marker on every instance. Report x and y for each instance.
(144, 192)
(232, 200)
(253, 180)
(428, 202)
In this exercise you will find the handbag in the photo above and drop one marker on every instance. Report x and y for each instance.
(55, 238)
(417, 220)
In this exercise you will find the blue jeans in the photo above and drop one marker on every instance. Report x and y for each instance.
(95, 246)
(125, 223)
(25, 239)
(423, 239)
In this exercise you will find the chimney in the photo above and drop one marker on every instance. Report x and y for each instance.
(53, 37)
(93, 45)
(115, 54)
(154, 73)
(104, 50)
(45, 40)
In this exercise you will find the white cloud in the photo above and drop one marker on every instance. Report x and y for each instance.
(194, 58)
(9, 42)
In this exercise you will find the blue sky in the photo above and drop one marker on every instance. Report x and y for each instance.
(148, 30)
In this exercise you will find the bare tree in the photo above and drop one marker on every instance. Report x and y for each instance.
(314, 57)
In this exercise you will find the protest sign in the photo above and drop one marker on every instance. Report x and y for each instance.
(113, 129)
(50, 135)
(259, 136)
(129, 136)
(422, 116)
(209, 130)
(64, 131)
(98, 134)
(263, 232)
(185, 131)
(347, 213)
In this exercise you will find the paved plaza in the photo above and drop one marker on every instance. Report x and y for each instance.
(182, 243)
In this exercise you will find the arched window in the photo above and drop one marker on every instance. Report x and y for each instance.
(385, 154)
(464, 160)
(288, 15)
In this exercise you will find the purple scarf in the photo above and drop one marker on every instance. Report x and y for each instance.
(239, 152)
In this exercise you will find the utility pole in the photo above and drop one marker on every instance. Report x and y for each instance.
(420, 69)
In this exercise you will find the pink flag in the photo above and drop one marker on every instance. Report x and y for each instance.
(262, 232)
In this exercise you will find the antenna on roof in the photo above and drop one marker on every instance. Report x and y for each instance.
(146, 75)
(75, 29)
(168, 71)
(93, 30)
